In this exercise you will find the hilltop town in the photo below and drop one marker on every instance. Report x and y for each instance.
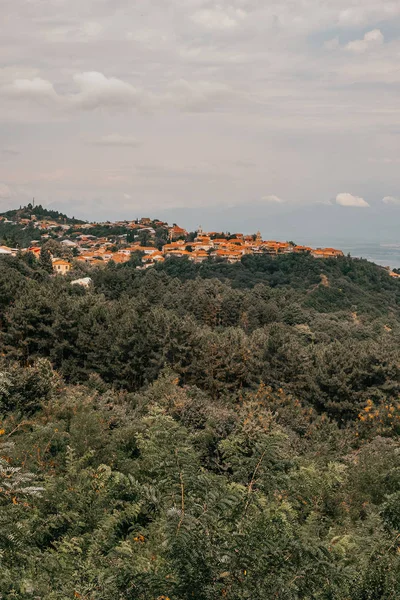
(151, 240)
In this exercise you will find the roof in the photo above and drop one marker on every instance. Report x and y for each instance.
(85, 281)
(60, 261)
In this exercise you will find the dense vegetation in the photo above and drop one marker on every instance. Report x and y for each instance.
(200, 431)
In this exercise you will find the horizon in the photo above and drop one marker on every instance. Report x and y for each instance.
(282, 221)
(384, 253)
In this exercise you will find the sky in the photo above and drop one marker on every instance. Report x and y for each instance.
(242, 114)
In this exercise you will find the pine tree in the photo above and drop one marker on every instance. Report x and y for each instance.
(45, 260)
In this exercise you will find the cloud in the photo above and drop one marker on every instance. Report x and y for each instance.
(115, 139)
(127, 197)
(224, 80)
(218, 18)
(273, 198)
(366, 11)
(391, 200)
(5, 191)
(96, 90)
(370, 40)
(346, 199)
(29, 89)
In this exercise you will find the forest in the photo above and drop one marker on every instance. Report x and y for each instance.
(200, 431)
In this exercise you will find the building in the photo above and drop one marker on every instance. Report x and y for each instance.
(176, 232)
(60, 266)
(326, 253)
(84, 282)
(5, 251)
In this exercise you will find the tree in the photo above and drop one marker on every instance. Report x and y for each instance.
(45, 260)
(144, 237)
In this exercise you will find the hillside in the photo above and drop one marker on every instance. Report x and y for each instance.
(41, 213)
(206, 430)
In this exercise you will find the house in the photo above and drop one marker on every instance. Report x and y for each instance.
(231, 256)
(60, 266)
(35, 251)
(206, 244)
(176, 232)
(5, 251)
(84, 282)
(326, 253)
(145, 249)
(153, 258)
(198, 256)
(117, 258)
(174, 247)
(177, 252)
(302, 249)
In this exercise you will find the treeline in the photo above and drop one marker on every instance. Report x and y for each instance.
(200, 431)
(332, 342)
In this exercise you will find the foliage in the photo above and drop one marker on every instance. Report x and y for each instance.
(200, 431)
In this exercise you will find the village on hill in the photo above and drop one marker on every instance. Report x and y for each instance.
(150, 239)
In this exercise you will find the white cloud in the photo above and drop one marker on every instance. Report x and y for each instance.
(35, 88)
(273, 198)
(218, 18)
(115, 139)
(392, 200)
(96, 90)
(346, 199)
(370, 40)
(367, 11)
(127, 197)
(5, 191)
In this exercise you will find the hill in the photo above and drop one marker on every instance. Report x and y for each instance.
(26, 212)
(204, 431)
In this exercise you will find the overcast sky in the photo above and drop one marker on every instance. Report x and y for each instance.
(115, 108)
